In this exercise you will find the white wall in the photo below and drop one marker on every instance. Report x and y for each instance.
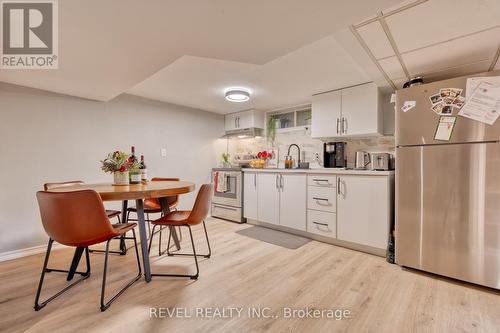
(48, 137)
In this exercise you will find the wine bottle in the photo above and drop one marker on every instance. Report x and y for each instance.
(135, 175)
(134, 158)
(144, 170)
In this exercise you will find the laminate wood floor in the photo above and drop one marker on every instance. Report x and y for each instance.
(247, 273)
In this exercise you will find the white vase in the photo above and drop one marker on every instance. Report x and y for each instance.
(121, 178)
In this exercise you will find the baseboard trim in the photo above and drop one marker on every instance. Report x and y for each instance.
(29, 251)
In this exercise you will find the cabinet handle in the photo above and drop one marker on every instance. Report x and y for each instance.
(344, 126)
(319, 223)
(226, 208)
(238, 121)
(338, 122)
(338, 185)
(235, 126)
(321, 180)
(282, 183)
(277, 186)
(255, 180)
(320, 199)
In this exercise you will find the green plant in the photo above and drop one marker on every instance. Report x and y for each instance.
(271, 128)
(225, 157)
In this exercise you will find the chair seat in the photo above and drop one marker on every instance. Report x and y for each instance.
(118, 230)
(176, 218)
(112, 213)
(151, 208)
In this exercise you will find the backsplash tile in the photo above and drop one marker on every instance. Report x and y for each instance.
(310, 145)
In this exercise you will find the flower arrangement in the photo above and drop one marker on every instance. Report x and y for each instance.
(261, 161)
(119, 161)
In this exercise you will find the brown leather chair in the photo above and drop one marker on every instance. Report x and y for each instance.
(153, 206)
(78, 219)
(109, 212)
(188, 218)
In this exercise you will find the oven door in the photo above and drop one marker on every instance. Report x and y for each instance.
(232, 197)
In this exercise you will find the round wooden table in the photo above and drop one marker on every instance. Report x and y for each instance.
(164, 191)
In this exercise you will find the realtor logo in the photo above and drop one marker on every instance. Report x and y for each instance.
(29, 34)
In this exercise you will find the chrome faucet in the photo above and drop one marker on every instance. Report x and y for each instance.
(298, 152)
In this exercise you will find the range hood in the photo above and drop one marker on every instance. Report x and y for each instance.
(243, 133)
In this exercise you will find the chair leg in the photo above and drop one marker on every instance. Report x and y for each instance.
(105, 305)
(84, 275)
(151, 238)
(192, 277)
(171, 254)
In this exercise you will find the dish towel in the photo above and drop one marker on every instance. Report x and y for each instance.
(221, 182)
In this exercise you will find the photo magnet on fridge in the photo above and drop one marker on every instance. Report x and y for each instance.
(445, 128)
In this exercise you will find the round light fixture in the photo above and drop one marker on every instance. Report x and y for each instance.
(237, 95)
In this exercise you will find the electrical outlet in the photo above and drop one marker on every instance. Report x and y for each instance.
(316, 156)
(164, 152)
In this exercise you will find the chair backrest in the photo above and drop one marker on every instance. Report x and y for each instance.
(156, 202)
(75, 217)
(201, 205)
(49, 186)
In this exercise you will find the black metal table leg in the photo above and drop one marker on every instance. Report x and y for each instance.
(166, 209)
(74, 262)
(144, 239)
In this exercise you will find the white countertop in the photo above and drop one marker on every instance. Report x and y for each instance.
(324, 171)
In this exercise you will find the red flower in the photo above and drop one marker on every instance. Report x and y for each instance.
(264, 154)
(122, 168)
(130, 159)
(259, 154)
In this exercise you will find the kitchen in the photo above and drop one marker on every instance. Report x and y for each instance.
(263, 166)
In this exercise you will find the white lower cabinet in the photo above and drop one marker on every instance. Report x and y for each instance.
(250, 204)
(293, 198)
(268, 197)
(322, 223)
(352, 208)
(363, 210)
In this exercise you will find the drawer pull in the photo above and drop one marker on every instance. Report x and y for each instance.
(320, 199)
(321, 180)
(319, 223)
(226, 208)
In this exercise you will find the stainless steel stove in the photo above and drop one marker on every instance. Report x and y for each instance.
(227, 199)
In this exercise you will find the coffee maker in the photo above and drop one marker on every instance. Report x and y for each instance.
(334, 155)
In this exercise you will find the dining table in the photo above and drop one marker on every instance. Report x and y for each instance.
(164, 191)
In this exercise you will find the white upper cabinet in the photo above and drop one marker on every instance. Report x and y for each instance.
(244, 119)
(350, 112)
(361, 113)
(326, 114)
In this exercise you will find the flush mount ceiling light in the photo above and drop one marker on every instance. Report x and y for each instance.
(237, 95)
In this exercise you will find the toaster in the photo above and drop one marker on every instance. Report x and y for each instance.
(380, 161)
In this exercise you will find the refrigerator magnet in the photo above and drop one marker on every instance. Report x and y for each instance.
(408, 105)
(445, 128)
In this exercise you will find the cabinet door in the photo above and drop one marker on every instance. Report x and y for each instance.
(230, 121)
(245, 120)
(363, 210)
(268, 198)
(326, 114)
(250, 196)
(293, 201)
(360, 110)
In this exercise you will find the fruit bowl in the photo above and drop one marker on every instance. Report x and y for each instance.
(258, 164)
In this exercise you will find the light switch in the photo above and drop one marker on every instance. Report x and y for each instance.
(164, 152)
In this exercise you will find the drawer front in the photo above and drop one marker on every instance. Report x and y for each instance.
(322, 180)
(226, 212)
(322, 198)
(322, 223)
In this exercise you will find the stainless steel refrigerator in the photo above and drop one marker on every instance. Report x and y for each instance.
(447, 192)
